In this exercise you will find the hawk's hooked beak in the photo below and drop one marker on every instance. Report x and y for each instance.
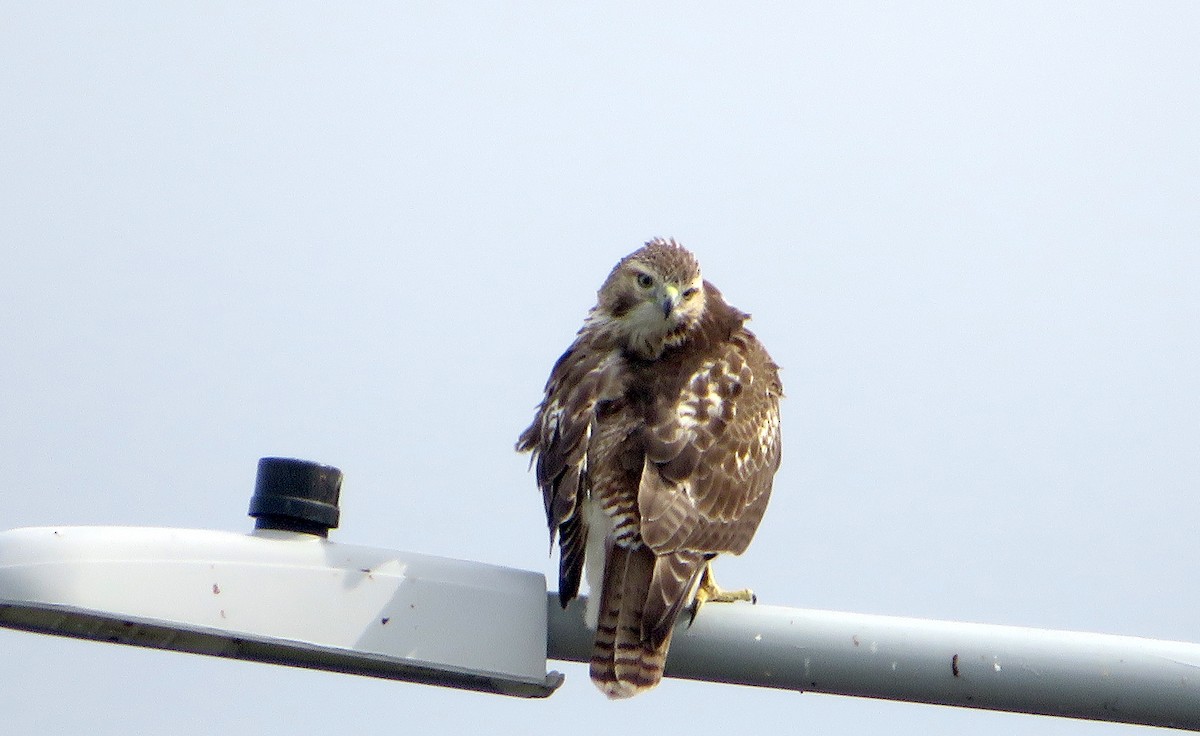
(670, 299)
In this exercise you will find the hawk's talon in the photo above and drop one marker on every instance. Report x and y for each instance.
(709, 592)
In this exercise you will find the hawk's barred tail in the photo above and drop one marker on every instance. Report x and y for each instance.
(623, 663)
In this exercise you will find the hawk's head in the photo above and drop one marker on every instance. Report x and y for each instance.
(652, 299)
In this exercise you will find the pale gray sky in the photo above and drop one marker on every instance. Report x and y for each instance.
(362, 233)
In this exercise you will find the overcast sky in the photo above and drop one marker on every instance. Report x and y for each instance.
(362, 233)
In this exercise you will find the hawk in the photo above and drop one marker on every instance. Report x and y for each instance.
(655, 447)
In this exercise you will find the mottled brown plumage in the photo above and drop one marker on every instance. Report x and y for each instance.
(655, 448)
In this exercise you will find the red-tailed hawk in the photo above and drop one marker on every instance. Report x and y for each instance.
(655, 447)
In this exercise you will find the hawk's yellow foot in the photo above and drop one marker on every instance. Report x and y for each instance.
(709, 592)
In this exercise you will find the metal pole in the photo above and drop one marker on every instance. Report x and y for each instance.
(1099, 677)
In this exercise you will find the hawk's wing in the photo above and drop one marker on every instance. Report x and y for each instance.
(559, 438)
(711, 457)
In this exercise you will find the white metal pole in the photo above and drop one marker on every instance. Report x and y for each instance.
(1061, 673)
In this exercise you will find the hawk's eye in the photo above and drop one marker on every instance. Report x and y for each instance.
(689, 293)
(645, 280)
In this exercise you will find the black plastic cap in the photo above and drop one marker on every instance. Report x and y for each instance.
(296, 496)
